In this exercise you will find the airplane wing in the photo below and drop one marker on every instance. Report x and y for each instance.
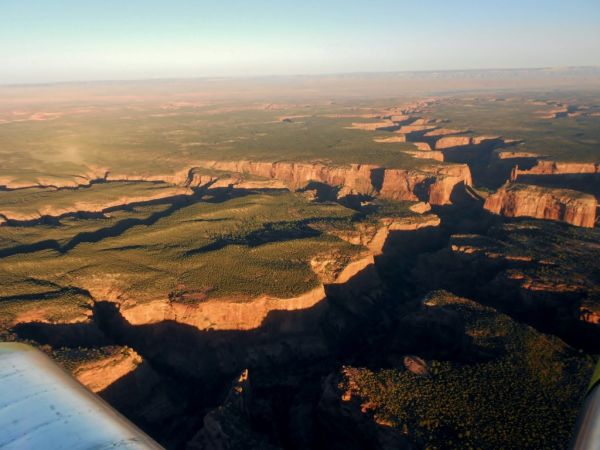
(587, 430)
(42, 407)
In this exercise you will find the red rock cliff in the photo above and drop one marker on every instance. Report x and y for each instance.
(436, 183)
(557, 168)
(517, 200)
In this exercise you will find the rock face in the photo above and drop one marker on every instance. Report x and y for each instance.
(357, 177)
(482, 140)
(433, 184)
(374, 125)
(420, 208)
(446, 179)
(561, 110)
(220, 314)
(236, 314)
(452, 141)
(516, 200)
(590, 315)
(250, 314)
(183, 177)
(444, 132)
(374, 237)
(99, 374)
(392, 139)
(435, 155)
(399, 118)
(557, 168)
(422, 146)
(415, 128)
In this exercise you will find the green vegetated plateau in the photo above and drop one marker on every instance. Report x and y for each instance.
(30, 202)
(573, 139)
(247, 246)
(564, 255)
(155, 141)
(14, 239)
(524, 384)
(553, 258)
(519, 388)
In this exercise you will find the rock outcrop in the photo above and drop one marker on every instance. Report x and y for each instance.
(420, 208)
(434, 155)
(444, 132)
(92, 174)
(555, 113)
(453, 141)
(391, 139)
(372, 126)
(220, 313)
(423, 146)
(546, 167)
(98, 374)
(399, 118)
(433, 184)
(517, 200)
(374, 236)
(484, 140)
(248, 314)
(514, 155)
(240, 314)
(590, 313)
(416, 128)
(297, 175)
(561, 110)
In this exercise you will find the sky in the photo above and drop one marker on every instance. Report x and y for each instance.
(79, 40)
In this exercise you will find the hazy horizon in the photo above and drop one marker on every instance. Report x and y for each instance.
(548, 70)
(65, 41)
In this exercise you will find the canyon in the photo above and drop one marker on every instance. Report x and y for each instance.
(488, 158)
(464, 156)
(270, 297)
(433, 184)
(264, 371)
(517, 200)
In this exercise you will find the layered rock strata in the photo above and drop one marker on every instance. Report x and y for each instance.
(517, 200)
(237, 314)
(546, 167)
(434, 184)
(98, 374)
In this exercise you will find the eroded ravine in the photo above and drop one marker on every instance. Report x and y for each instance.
(179, 391)
(285, 350)
(306, 343)
(173, 204)
(496, 162)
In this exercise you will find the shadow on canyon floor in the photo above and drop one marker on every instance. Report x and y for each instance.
(187, 371)
(271, 232)
(370, 321)
(175, 203)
